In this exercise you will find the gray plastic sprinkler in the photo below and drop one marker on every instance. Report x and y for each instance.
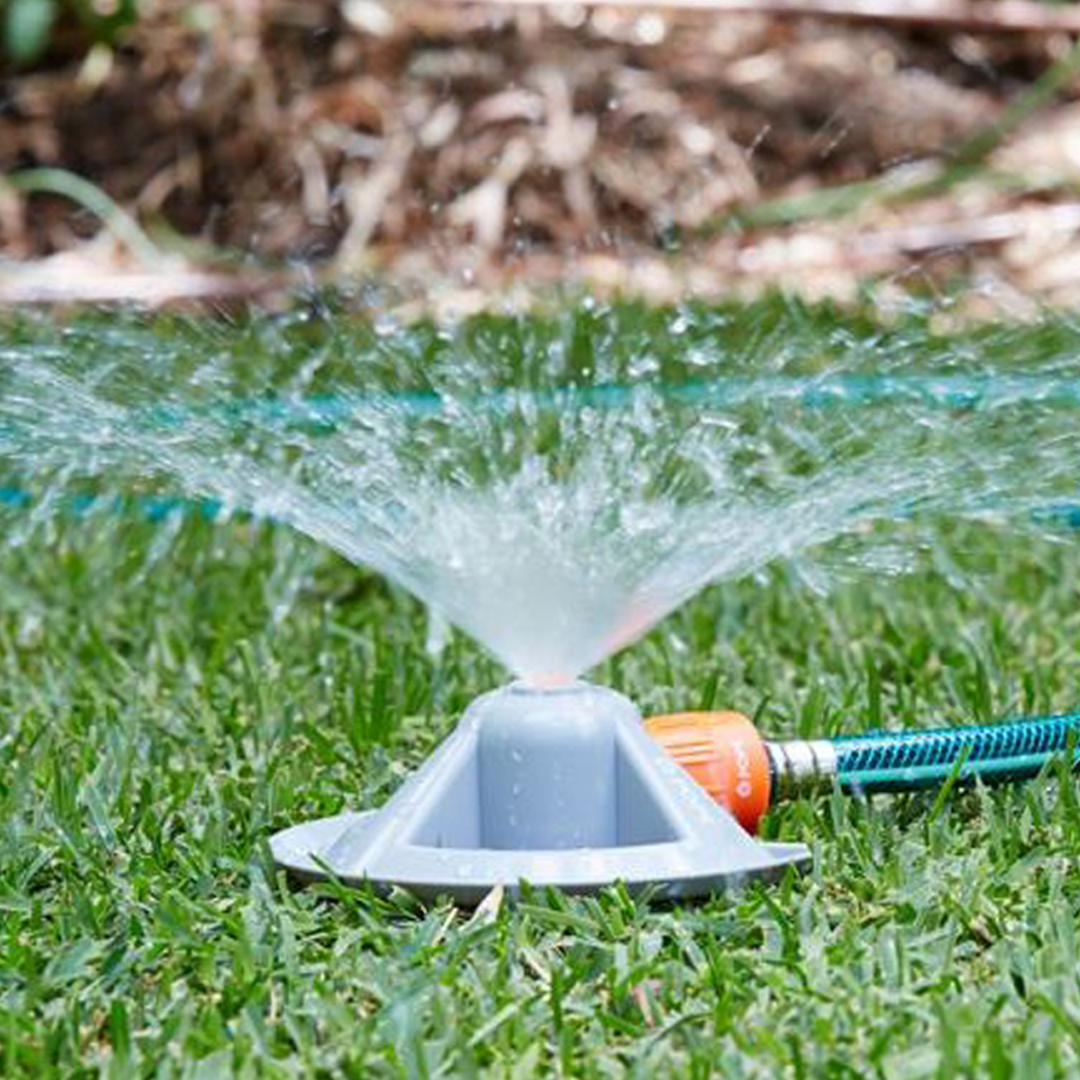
(554, 786)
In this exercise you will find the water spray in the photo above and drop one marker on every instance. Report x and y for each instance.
(744, 773)
(555, 521)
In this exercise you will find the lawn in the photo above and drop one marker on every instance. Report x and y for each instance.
(166, 706)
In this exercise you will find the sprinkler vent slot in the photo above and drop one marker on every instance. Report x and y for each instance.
(453, 821)
(642, 816)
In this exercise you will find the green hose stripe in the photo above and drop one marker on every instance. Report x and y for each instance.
(917, 777)
(912, 759)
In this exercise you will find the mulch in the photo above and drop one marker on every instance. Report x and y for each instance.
(461, 150)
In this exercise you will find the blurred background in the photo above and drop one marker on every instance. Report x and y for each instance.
(157, 150)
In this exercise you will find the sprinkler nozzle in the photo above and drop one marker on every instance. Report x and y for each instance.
(725, 754)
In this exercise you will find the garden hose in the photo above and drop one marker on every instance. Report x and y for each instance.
(325, 413)
(743, 772)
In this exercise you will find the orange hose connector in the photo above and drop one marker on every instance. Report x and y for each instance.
(724, 753)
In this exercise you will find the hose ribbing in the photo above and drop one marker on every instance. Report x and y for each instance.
(908, 760)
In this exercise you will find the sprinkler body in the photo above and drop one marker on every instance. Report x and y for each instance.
(559, 787)
(711, 745)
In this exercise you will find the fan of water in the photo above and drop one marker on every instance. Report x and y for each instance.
(553, 489)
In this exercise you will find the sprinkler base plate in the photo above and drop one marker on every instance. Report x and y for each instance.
(297, 849)
(562, 789)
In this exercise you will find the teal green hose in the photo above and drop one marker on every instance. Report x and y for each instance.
(911, 760)
(907, 760)
(324, 413)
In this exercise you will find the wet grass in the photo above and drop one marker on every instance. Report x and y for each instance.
(163, 710)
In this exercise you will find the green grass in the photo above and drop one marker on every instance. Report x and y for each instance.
(158, 723)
